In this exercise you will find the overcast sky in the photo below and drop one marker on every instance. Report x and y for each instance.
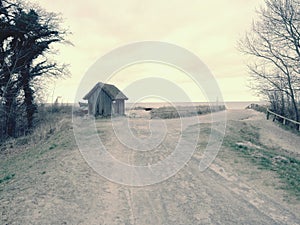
(209, 29)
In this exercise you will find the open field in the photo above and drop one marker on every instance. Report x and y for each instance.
(253, 180)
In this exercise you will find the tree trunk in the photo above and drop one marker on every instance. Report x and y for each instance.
(294, 102)
(28, 99)
(9, 117)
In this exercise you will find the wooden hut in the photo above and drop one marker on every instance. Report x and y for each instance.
(105, 100)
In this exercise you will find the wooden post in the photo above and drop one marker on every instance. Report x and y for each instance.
(268, 114)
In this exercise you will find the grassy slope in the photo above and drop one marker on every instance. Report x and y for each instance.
(245, 142)
(19, 156)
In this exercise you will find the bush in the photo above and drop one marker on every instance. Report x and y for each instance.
(257, 107)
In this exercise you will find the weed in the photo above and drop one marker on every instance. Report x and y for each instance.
(7, 178)
(53, 146)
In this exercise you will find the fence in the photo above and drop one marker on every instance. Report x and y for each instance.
(284, 119)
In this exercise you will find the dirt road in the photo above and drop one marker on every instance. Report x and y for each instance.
(60, 188)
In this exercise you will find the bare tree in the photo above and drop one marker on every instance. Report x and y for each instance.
(273, 45)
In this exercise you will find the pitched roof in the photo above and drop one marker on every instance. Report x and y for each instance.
(112, 91)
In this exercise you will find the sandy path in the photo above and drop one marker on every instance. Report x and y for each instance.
(72, 193)
(211, 197)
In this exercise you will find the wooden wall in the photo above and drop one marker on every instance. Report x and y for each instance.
(100, 103)
(118, 107)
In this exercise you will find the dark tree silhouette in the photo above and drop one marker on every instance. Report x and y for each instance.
(25, 39)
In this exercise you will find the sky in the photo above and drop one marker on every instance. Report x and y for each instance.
(208, 29)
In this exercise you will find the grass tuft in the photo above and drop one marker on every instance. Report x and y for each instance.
(7, 178)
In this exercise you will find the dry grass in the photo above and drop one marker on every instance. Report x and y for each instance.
(184, 111)
(48, 121)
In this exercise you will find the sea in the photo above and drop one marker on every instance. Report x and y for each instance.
(229, 105)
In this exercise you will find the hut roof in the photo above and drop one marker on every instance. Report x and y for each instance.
(112, 91)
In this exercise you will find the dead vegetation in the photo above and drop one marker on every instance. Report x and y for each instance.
(169, 112)
(50, 120)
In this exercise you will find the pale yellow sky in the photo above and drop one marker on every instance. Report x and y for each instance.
(209, 29)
